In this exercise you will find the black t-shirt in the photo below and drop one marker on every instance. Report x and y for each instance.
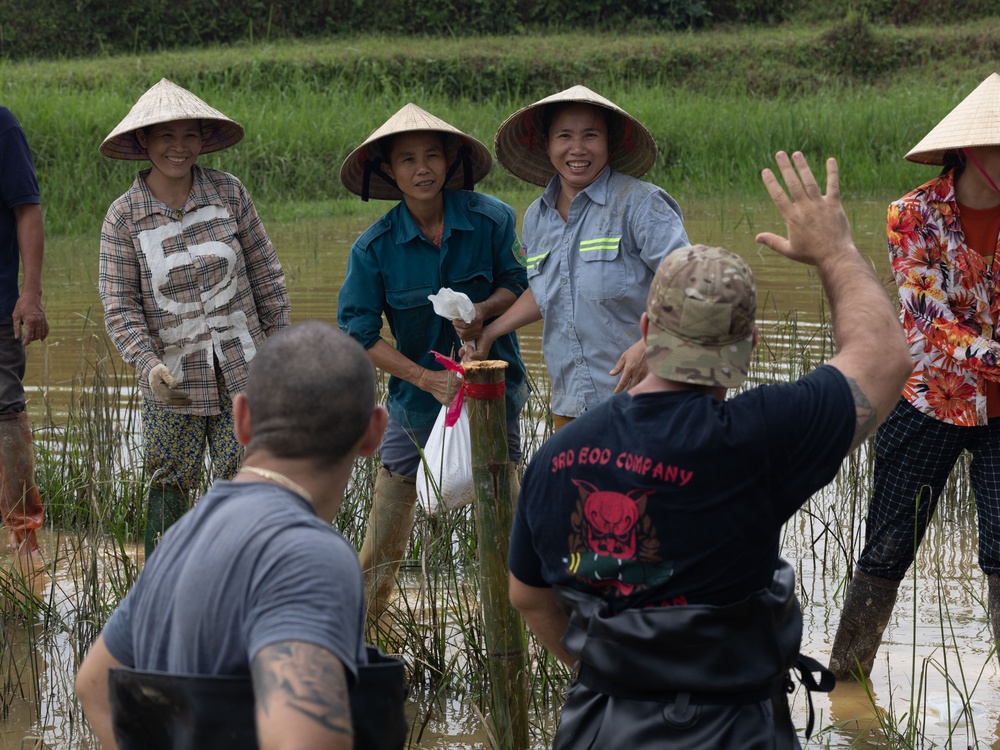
(677, 498)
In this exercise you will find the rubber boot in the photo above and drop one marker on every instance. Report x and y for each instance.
(165, 505)
(20, 503)
(389, 525)
(867, 609)
(994, 608)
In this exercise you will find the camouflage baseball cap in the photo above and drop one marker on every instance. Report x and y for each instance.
(701, 307)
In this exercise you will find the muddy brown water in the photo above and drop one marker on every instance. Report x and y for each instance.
(935, 671)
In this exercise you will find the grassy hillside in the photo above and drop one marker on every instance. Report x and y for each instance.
(719, 103)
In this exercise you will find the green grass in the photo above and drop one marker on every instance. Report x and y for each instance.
(718, 103)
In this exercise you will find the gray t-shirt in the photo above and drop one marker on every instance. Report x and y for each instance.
(249, 566)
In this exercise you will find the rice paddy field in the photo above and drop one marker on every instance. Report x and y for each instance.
(719, 108)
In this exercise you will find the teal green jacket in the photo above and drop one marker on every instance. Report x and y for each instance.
(393, 268)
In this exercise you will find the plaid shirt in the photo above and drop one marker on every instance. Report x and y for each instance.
(949, 305)
(190, 288)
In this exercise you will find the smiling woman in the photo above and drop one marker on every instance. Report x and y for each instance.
(172, 149)
(437, 236)
(592, 241)
(577, 147)
(190, 285)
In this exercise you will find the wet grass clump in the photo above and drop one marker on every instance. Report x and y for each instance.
(91, 480)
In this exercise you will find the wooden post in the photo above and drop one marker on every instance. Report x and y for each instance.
(505, 647)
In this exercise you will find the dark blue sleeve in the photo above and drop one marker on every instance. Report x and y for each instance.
(18, 184)
(810, 427)
(522, 559)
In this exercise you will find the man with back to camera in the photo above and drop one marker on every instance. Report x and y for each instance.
(255, 580)
(645, 547)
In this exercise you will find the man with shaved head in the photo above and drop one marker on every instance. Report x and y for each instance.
(255, 580)
(317, 409)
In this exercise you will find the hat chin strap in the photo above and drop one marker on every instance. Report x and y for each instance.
(374, 166)
(463, 158)
(975, 162)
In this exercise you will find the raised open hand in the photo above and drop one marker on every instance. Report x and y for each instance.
(817, 225)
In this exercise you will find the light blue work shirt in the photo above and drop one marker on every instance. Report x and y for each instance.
(590, 276)
(393, 268)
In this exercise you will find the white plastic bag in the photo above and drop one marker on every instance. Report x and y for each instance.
(445, 473)
(451, 304)
(454, 305)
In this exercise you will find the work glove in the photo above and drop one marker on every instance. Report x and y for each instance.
(163, 385)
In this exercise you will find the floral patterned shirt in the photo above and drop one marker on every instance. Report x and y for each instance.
(949, 305)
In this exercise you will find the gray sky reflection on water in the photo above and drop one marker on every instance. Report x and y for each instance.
(314, 256)
(47, 653)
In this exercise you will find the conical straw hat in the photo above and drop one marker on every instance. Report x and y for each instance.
(520, 141)
(166, 102)
(409, 119)
(974, 122)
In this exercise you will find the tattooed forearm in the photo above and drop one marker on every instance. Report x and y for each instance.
(867, 417)
(305, 678)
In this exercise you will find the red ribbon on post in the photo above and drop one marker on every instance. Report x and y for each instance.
(479, 392)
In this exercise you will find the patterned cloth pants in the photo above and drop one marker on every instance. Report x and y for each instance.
(914, 455)
(174, 444)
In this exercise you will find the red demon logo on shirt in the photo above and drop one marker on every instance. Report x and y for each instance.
(614, 542)
(610, 518)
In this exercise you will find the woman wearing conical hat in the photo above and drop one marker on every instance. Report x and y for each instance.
(439, 234)
(592, 241)
(190, 285)
(943, 244)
